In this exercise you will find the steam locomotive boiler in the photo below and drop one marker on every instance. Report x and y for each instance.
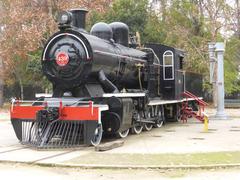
(78, 62)
(111, 87)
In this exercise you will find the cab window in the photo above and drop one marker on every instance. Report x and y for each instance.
(168, 65)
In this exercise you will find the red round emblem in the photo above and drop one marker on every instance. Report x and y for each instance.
(62, 59)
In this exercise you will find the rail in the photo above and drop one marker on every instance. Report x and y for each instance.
(187, 111)
(190, 95)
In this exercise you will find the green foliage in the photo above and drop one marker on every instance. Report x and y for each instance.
(154, 30)
(181, 25)
(34, 63)
(28, 71)
(232, 55)
(34, 70)
(132, 12)
(94, 17)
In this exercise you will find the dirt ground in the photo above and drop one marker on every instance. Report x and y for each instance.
(11, 171)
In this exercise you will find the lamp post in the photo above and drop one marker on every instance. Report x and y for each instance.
(219, 49)
(216, 53)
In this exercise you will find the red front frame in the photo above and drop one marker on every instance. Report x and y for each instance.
(66, 113)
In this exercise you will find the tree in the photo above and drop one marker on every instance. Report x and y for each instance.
(132, 12)
(1, 83)
(187, 25)
(190, 25)
(27, 25)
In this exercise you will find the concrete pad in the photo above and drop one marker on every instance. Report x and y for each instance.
(179, 138)
(61, 158)
(4, 115)
(12, 150)
(230, 112)
(176, 138)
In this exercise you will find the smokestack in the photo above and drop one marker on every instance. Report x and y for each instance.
(79, 18)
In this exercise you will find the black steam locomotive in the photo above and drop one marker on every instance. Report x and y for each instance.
(102, 84)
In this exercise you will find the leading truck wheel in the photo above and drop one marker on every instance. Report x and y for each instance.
(97, 135)
(123, 134)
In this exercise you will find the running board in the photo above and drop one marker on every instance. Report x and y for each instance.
(163, 102)
(124, 95)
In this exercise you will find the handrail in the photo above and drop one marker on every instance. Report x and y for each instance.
(188, 94)
(195, 97)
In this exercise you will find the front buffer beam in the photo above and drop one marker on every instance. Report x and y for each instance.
(42, 126)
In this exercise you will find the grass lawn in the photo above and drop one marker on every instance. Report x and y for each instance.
(158, 159)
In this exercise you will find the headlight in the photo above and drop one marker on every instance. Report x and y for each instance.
(65, 17)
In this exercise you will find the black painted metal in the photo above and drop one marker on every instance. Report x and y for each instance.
(171, 89)
(193, 83)
(108, 86)
(152, 76)
(117, 61)
(79, 18)
(120, 33)
(102, 30)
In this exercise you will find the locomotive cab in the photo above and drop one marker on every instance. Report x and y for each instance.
(173, 76)
(171, 71)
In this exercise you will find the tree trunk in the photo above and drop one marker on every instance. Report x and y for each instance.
(1, 83)
(21, 88)
(163, 9)
(19, 80)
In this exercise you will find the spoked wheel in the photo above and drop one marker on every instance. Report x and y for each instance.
(160, 120)
(137, 129)
(137, 126)
(158, 124)
(97, 135)
(179, 118)
(147, 126)
(123, 134)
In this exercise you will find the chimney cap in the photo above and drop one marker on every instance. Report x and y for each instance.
(79, 9)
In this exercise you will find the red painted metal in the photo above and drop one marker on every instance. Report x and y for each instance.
(187, 112)
(62, 59)
(80, 113)
(24, 112)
